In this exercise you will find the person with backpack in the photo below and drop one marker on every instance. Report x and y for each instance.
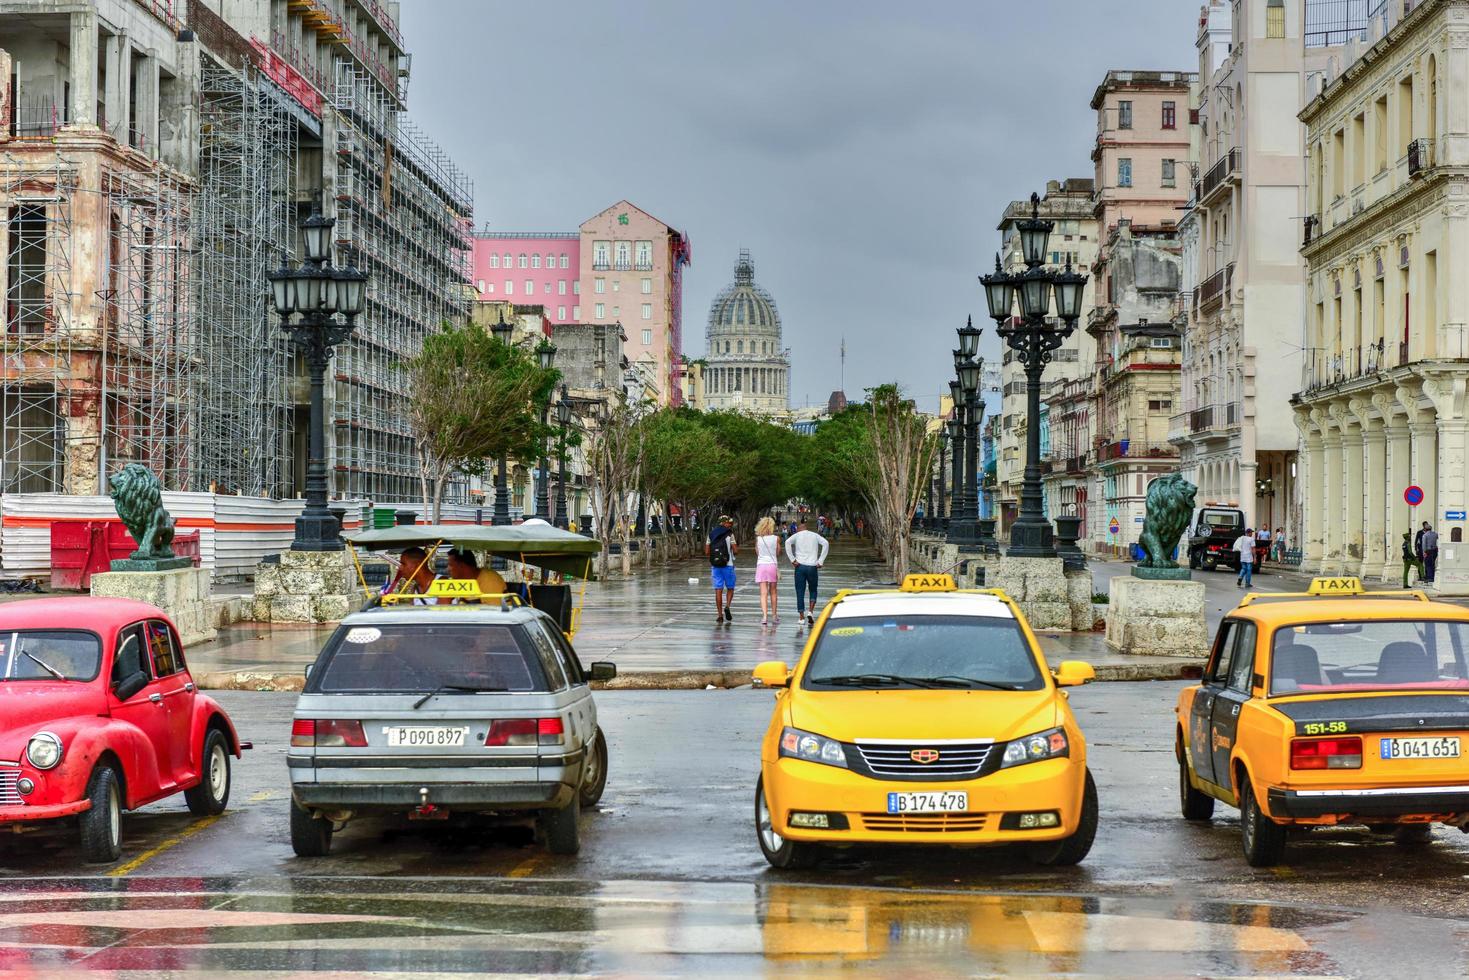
(806, 551)
(721, 550)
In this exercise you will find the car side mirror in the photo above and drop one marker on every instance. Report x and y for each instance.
(601, 670)
(772, 673)
(306, 673)
(1074, 673)
(130, 685)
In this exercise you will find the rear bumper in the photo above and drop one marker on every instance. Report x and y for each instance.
(1395, 802)
(22, 814)
(395, 797)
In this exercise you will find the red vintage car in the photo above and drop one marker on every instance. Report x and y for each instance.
(98, 714)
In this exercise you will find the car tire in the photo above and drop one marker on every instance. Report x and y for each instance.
(311, 837)
(1194, 805)
(101, 825)
(1413, 834)
(1074, 849)
(594, 774)
(1263, 839)
(781, 853)
(1193, 558)
(211, 794)
(561, 828)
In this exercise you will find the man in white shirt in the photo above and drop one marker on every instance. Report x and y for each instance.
(1244, 546)
(806, 551)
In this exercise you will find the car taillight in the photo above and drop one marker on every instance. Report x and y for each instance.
(1326, 753)
(327, 733)
(525, 731)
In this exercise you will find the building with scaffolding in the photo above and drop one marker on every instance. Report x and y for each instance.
(156, 159)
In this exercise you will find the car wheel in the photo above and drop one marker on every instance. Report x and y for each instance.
(311, 837)
(101, 825)
(561, 828)
(1193, 559)
(1195, 805)
(1413, 834)
(594, 774)
(211, 794)
(1073, 849)
(781, 853)
(1263, 838)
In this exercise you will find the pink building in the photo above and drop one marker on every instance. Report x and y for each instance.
(531, 267)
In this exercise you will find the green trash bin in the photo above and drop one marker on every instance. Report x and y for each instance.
(383, 517)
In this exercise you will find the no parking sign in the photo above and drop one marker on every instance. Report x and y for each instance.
(1413, 495)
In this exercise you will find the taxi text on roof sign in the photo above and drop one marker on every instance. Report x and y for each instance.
(928, 583)
(1348, 585)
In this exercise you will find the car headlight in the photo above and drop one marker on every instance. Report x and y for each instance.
(796, 744)
(1049, 744)
(43, 750)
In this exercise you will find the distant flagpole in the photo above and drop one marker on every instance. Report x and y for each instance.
(843, 387)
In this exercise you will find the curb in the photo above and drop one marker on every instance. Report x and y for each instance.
(677, 680)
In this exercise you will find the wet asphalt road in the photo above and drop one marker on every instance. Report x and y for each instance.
(670, 878)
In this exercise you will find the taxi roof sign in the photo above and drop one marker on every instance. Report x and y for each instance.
(929, 583)
(1341, 585)
(455, 589)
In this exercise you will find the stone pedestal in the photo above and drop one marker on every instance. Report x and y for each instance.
(1079, 593)
(306, 587)
(182, 593)
(1157, 618)
(1040, 587)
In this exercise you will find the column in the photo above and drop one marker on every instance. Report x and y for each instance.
(117, 53)
(83, 68)
(1352, 510)
(1424, 472)
(1330, 499)
(1248, 469)
(1375, 479)
(1398, 514)
(148, 105)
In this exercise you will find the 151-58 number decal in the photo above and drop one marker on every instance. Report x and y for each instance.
(1323, 727)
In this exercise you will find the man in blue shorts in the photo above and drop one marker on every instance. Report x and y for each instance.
(721, 551)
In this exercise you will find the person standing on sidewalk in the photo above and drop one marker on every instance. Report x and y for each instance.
(1430, 552)
(1262, 547)
(1410, 558)
(1244, 546)
(767, 569)
(721, 551)
(807, 553)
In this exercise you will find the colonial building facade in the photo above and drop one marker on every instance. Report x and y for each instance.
(1384, 390)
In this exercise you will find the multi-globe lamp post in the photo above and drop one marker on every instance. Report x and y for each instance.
(563, 418)
(546, 358)
(1033, 335)
(503, 332)
(316, 293)
(964, 390)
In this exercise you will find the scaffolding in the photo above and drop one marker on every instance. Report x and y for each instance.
(38, 197)
(404, 213)
(148, 342)
(244, 213)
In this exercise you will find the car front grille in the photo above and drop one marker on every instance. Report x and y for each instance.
(926, 823)
(8, 793)
(954, 761)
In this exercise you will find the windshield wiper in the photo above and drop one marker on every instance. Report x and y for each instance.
(468, 688)
(872, 680)
(50, 669)
(954, 680)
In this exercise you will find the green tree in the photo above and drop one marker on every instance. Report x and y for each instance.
(471, 399)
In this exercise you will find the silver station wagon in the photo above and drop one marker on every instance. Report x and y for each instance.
(446, 710)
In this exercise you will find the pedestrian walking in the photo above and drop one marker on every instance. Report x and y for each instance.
(721, 550)
(1410, 558)
(1430, 552)
(1244, 546)
(1280, 544)
(1262, 547)
(767, 569)
(806, 551)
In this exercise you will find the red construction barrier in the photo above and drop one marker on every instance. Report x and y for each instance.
(80, 549)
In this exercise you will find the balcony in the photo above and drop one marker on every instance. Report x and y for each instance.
(1324, 368)
(1420, 157)
(1216, 177)
(1210, 420)
(1129, 449)
(1076, 464)
(1209, 292)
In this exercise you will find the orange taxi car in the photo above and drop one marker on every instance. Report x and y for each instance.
(1327, 707)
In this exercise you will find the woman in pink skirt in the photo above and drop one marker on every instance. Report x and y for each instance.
(767, 571)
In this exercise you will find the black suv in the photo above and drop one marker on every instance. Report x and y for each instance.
(1211, 537)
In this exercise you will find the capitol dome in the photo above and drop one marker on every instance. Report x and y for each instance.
(747, 368)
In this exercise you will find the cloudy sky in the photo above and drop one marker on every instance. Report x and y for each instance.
(863, 151)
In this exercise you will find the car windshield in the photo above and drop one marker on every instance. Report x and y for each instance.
(417, 658)
(949, 652)
(1220, 519)
(1369, 656)
(49, 655)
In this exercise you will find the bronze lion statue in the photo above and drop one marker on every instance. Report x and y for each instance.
(138, 497)
(1170, 504)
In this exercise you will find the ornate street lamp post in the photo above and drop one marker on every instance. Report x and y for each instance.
(503, 331)
(1033, 336)
(955, 528)
(563, 416)
(955, 437)
(546, 356)
(970, 373)
(316, 293)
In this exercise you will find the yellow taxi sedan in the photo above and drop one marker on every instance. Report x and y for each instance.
(923, 715)
(1331, 706)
